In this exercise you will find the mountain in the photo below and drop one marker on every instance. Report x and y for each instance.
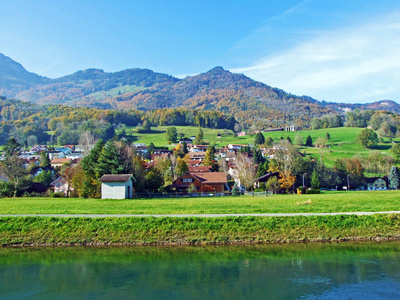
(247, 100)
(388, 105)
(13, 76)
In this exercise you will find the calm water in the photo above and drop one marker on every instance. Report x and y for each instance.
(323, 271)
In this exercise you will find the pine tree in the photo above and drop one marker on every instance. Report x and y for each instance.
(394, 178)
(257, 156)
(260, 139)
(309, 141)
(109, 161)
(89, 163)
(235, 190)
(262, 169)
(315, 183)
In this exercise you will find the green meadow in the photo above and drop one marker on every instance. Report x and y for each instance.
(320, 203)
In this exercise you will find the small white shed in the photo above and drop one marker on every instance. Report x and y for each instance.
(117, 186)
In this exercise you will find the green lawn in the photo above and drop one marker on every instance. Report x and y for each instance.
(326, 202)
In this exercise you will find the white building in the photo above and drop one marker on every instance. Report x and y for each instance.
(117, 186)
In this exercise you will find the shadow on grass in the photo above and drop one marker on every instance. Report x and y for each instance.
(381, 147)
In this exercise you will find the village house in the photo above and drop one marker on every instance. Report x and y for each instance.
(56, 154)
(201, 182)
(236, 146)
(199, 156)
(376, 183)
(198, 148)
(61, 185)
(265, 178)
(185, 140)
(117, 186)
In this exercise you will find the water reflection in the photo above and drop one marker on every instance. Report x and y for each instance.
(303, 271)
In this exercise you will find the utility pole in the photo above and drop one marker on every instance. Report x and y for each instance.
(348, 184)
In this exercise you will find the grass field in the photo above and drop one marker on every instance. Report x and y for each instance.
(326, 202)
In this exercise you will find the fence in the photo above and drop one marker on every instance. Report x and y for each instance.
(259, 194)
(194, 195)
(181, 195)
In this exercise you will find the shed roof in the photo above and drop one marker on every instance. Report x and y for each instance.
(116, 177)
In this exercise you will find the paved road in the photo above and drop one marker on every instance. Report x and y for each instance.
(196, 215)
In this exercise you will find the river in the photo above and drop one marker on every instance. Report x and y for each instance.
(295, 271)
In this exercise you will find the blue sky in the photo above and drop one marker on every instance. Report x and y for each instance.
(342, 51)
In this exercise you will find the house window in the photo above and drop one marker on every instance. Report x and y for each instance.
(187, 180)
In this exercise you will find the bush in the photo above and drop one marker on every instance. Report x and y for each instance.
(6, 189)
(58, 195)
(33, 194)
(313, 191)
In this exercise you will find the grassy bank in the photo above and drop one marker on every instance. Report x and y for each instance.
(186, 231)
(326, 202)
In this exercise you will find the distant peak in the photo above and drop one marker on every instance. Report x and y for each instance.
(91, 70)
(217, 70)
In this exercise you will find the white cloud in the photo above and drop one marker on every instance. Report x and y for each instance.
(357, 64)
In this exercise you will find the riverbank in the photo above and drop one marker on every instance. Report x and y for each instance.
(53, 231)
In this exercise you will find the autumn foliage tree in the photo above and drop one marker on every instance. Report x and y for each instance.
(287, 180)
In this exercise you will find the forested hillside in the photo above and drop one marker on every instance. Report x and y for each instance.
(31, 123)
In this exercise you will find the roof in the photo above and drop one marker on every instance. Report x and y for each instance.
(200, 169)
(266, 176)
(372, 179)
(116, 177)
(61, 160)
(210, 177)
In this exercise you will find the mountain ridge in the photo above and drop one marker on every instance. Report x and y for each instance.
(250, 101)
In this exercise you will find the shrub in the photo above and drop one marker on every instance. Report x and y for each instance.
(58, 195)
(313, 191)
(6, 189)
